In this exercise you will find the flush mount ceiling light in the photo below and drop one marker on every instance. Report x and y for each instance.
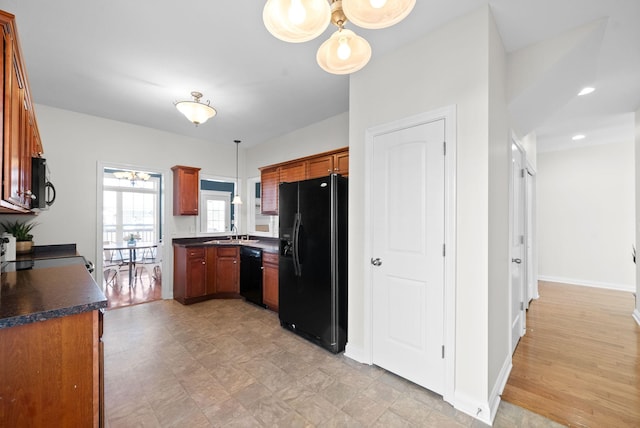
(586, 90)
(194, 110)
(132, 176)
(236, 199)
(578, 137)
(345, 52)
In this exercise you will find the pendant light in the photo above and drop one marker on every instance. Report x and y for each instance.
(236, 198)
(196, 111)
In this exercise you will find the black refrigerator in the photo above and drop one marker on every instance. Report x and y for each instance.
(313, 260)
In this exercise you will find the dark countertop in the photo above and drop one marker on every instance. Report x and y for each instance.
(39, 294)
(270, 245)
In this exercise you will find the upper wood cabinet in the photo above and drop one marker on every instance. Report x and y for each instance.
(186, 189)
(320, 165)
(20, 138)
(269, 180)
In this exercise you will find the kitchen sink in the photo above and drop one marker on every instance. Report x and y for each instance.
(232, 241)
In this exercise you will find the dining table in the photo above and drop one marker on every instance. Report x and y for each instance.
(132, 247)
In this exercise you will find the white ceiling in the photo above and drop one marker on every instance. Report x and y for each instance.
(130, 60)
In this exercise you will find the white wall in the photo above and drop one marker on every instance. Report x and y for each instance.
(586, 215)
(322, 136)
(75, 143)
(450, 66)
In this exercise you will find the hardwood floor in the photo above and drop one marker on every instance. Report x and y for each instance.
(579, 362)
(144, 288)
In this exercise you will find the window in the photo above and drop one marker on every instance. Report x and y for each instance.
(258, 223)
(215, 212)
(131, 206)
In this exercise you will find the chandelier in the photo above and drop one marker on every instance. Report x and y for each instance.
(344, 52)
(132, 176)
(196, 111)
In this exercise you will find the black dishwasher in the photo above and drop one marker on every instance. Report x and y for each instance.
(251, 275)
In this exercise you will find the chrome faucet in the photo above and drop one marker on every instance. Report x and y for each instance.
(233, 227)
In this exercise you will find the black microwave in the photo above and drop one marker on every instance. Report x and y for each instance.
(43, 192)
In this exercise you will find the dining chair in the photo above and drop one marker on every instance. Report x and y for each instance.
(110, 267)
(151, 261)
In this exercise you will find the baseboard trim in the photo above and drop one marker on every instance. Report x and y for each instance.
(477, 409)
(356, 353)
(573, 281)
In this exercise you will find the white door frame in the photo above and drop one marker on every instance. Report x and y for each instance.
(531, 245)
(449, 116)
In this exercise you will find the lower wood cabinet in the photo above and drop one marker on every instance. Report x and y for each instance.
(227, 271)
(205, 272)
(50, 372)
(189, 274)
(270, 280)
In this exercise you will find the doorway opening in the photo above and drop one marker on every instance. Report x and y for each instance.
(131, 224)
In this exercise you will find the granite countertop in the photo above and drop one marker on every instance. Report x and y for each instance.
(32, 295)
(270, 245)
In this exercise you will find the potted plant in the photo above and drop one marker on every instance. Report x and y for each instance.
(21, 230)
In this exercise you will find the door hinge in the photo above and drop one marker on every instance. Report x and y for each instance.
(522, 306)
(522, 173)
(442, 351)
(522, 239)
(444, 148)
(444, 250)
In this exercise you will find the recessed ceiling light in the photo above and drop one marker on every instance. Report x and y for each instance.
(586, 90)
(578, 137)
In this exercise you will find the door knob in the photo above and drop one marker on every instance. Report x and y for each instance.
(518, 261)
(376, 261)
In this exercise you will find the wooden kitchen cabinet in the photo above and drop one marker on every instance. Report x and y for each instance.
(20, 138)
(186, 190)
(269, 181)
(51, 372)
(320, 165)
(189, 274)
(227, 271)
(205, 272)
(270, 280)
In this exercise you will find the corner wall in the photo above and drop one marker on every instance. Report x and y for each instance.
(449, 66)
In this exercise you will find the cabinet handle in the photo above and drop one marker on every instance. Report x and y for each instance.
(203, 263)
(235, 261)
(335, 169)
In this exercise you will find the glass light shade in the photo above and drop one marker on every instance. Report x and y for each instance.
(331, 54)
(296, 21)
(195, 111)
(375, 13)
(236, 200)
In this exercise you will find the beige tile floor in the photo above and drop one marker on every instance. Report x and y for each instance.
(227, 363)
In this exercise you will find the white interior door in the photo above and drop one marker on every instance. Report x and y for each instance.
(517, 246)
(407, 267)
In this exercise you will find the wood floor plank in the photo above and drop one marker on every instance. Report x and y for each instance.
(579, 362)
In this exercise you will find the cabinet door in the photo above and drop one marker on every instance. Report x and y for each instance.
(293, 172)
(228, 270)
(196, 273)
(186, 190)
(270, 280)
(269, 180)
(341, 163)
(320, 166)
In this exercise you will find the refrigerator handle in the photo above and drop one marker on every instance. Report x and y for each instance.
(296, 241)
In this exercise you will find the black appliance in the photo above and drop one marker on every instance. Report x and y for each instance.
(313, 260)
(251, 275)
(43, 192)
